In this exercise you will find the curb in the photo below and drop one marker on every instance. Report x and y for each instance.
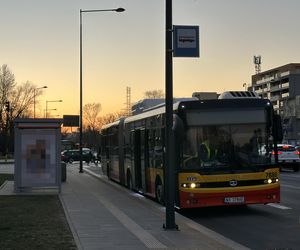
(71, 226)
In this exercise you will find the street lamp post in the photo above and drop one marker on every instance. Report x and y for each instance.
(34, 93)
(80, 88)
(48, 111)
(46, 115)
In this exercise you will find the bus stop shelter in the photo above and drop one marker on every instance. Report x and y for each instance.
(37, 155)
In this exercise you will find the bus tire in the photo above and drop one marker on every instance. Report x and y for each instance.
(159, 192)
(129, 181)
(296, 168)
(107, 171)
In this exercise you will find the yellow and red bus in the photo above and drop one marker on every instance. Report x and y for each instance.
(222, 148)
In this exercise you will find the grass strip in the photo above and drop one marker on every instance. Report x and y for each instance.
(4, 177)
(33, 222)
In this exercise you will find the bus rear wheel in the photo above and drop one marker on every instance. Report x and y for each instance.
(159, 193)
(107, 171)
(129, 181)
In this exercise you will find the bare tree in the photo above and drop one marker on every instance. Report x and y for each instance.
(91, 117)
(153, 94)
(7, 84)
(19, 96)
(21, 100)
(112, 117)
(91, 125)
(16, 100)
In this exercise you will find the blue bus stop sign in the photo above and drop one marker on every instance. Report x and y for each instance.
(186, 41)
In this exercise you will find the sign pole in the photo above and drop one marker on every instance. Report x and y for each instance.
(169, 170)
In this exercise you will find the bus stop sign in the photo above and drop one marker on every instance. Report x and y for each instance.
(186, 41)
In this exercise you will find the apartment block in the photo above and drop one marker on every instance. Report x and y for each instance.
(281, 86)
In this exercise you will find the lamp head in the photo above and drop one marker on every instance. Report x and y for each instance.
(120, 10)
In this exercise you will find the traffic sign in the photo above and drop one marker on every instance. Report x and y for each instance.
(71, 120)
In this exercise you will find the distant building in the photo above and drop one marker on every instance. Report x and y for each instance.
(281, 86)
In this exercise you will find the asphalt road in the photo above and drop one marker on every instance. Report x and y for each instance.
(273, 226)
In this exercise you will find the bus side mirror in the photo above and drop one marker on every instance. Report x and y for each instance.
(277, 128)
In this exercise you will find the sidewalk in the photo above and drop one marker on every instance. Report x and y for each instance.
(7, 168)
(104, 215)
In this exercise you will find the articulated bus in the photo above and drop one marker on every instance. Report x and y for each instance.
(223, 150)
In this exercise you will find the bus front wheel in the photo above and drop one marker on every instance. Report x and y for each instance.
(296, 168)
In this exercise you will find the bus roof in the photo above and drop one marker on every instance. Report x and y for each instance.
(197, 104)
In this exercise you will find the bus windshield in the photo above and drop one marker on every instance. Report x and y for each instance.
(238, 147)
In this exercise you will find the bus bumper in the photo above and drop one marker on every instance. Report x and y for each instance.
(197, 199)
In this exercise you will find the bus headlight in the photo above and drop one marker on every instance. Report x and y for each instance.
(193, 185)
(270, 181)
(190, 185)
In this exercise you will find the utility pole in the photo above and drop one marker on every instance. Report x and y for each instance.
(128, 101)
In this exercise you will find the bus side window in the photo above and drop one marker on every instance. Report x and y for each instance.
(158, 149)
(151, 143)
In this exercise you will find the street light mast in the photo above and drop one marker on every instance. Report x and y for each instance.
(80, 88)
(34, 94)
(46, 115)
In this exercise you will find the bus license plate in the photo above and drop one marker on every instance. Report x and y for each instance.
(230, 200)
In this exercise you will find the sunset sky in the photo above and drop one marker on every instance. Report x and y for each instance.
(40, 43)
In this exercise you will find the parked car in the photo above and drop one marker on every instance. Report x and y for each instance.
(67, 145)
(74, 155)
(288, 156)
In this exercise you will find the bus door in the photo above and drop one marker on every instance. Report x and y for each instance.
(139, 159)
(107, 159)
